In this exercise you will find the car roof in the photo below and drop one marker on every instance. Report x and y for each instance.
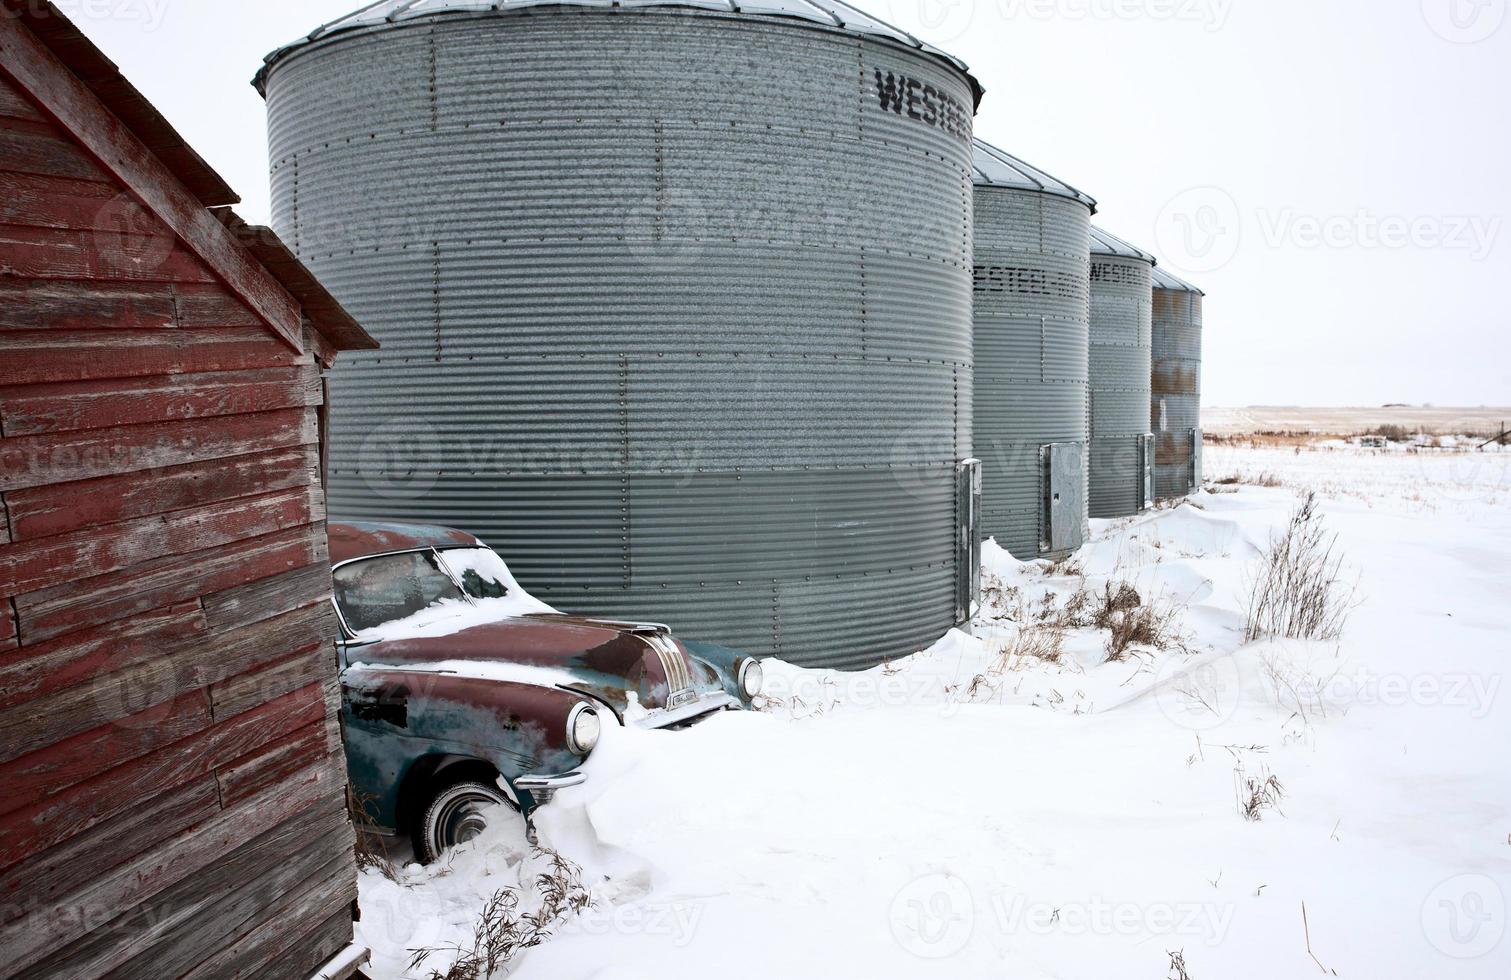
(363, 539)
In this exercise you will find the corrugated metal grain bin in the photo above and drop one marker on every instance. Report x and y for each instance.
(1176, 383)
(1122, 463)
(1033, 303)
(675, 303)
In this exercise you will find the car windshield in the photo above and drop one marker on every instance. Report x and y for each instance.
(376, 592)
(482, 572)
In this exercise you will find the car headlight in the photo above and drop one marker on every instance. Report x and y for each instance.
(583, 729)
(752, 679)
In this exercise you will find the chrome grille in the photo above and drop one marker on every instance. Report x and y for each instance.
(678, 678)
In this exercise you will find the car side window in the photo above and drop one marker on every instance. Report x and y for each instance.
(389, 588)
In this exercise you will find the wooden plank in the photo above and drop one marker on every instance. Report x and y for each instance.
(32, 461)
(183, 923)
(38, 149)
(314, 950)
(51, 356)
(267, 597)
(41, 512)
(79, 658)
(99, 404)
(195, 664)
(79, 111)
(268, 949)
(37, 201)
(8, 631)
(31, 565)
(107, 598)
(30, 940)
(266, 681)
(153, 820)
(15, 105)
(64, 815)
(212, 306)
(54, 304)
(108, 254)
(257, 771)
(47, 772)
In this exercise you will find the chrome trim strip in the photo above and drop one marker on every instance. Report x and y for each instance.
(537, 784)
(703, 706)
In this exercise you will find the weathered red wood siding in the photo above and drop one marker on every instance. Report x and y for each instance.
(172, 798)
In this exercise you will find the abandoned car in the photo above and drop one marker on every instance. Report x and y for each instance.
(467, 700)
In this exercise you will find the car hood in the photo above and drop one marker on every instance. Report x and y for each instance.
(621, 664)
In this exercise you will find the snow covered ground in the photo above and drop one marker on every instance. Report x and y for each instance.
(979, 811)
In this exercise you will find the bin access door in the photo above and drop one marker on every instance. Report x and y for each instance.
(1064, 496)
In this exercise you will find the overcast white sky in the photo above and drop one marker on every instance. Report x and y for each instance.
(1333, 172)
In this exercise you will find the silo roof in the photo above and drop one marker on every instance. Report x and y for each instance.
(1106, 243)
(1164, 280)
(996, 168)
(829, 13)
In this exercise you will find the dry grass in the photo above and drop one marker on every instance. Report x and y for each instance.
(1256, 794)
(1178, 966)
(1132, 622)
(1264, 478)
(1297, 593)
(1118, 609)
(372, 852)
(503, 932)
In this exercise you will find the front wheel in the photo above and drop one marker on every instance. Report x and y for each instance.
(459, 813)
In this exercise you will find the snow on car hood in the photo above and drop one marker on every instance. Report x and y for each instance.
(608, 661)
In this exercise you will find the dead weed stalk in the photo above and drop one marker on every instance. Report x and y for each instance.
(1297, 593)
(503, 931)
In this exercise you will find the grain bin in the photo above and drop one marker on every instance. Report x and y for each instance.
(1033, 296)
(1176, 385)
(675, 303)
(1122, 464)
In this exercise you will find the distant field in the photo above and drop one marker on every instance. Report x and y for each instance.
(1353, 421)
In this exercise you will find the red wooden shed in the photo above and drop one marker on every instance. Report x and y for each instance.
(172, 786)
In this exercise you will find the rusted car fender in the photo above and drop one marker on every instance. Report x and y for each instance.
(398, 720)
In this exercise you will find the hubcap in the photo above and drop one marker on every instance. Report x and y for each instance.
(463, 819)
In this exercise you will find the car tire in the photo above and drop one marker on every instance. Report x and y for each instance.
(458, 813)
